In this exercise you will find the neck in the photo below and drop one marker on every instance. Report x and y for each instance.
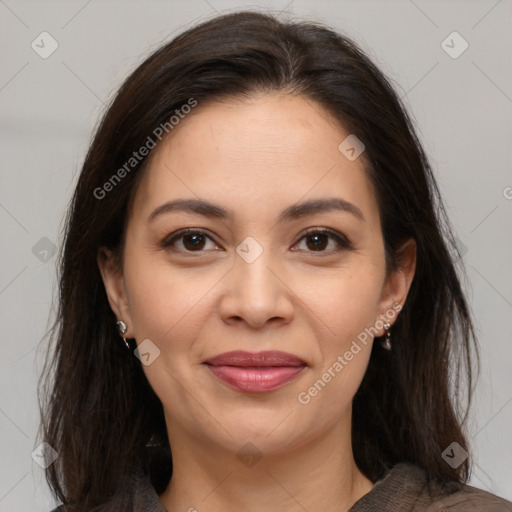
(320, 474)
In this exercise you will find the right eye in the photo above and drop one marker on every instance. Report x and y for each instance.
(186, 240)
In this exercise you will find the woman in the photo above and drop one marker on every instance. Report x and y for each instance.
(259, 301)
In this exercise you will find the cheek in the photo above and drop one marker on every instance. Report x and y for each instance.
(346, 302)
(164, 301)
(343, 308)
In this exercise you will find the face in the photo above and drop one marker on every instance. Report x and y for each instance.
(257, 273)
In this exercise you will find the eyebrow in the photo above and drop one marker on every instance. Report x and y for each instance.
(293, 212)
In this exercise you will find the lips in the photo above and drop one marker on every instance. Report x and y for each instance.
(256, 372)
(244, 359)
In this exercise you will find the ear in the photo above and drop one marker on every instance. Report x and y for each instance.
(399, 281)
(113, 281)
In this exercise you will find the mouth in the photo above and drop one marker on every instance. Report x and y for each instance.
(255, 372)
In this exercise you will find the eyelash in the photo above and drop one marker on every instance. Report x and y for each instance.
(342, 241)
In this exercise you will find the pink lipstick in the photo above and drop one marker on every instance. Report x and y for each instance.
(256, 372)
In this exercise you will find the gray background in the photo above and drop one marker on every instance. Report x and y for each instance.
(462, 107)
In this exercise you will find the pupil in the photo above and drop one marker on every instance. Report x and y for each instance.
(319, 243)
(194, 241)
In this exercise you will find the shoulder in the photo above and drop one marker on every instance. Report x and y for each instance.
(406, 488)
(468, 499)
(136, 494)
(452, 497)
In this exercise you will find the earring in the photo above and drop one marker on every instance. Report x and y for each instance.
(121, 328)
(386, 344)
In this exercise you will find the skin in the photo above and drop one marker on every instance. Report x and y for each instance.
(256, 156)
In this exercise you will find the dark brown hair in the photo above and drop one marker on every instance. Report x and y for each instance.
(99, 410)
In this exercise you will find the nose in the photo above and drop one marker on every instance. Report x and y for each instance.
(256, 293)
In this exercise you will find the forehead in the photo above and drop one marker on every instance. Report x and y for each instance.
(272, 149)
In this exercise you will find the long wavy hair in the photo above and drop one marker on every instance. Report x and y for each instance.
(98, 410)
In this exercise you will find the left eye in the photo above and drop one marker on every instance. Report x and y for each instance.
(319, 239)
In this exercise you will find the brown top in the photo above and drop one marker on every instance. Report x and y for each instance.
(403, 489)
